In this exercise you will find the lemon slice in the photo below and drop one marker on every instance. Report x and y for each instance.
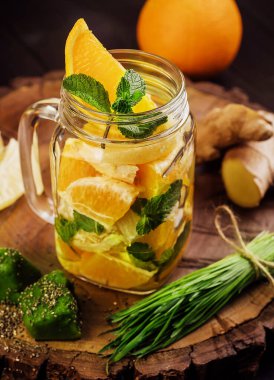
(12, 186)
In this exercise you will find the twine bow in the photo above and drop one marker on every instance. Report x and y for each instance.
(261, 266)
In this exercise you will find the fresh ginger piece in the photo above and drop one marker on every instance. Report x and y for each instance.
(233, 124)
(248, 171)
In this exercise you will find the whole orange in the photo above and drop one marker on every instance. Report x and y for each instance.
(202, 37)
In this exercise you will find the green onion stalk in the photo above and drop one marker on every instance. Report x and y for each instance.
(180, 307)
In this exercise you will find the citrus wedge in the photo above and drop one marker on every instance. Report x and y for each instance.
(85, 54)
(113, 272)
(65, 251)
(72, 169)
(12, 186)
(103, 199)
(126, 173)
(82, 160)
(155, 176)
(163, 237)
(119, 154)
(151, 176)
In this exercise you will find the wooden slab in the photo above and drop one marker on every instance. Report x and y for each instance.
(231, 344)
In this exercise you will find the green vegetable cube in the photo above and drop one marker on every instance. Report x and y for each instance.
(16, 273)
(50, 311)
(58, 277)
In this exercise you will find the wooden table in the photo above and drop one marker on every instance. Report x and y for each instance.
(230, 345)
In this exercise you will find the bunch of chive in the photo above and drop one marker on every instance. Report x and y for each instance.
(184, 305)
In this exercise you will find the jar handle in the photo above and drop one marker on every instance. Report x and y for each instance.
(37, 199)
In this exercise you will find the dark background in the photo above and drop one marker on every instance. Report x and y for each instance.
(33, 34)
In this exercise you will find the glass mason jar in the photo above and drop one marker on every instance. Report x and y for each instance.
(122, 207)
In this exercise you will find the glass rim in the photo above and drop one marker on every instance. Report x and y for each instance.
(89, 114)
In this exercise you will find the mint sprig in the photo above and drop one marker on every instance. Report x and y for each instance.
(89, 90)
(129, 92)
(66, 229)
(158, 208)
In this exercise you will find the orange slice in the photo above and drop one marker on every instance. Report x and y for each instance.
(163, 237)
(72, 169)
(151, 176)
(155, 177)
(103, 199)
(85, 54)
(68, 258)
(120, 154)
(113, 272)
(82, 160)
(65, 251)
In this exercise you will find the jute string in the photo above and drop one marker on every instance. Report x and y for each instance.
(261, 266)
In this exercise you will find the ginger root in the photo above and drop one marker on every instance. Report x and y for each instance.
(231, 125)
(248, 170)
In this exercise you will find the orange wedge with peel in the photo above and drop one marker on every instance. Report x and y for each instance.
(104, 199)
(85, 54)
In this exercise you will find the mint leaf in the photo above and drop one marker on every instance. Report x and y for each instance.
(137, 86)
(158, 208)
(66, 229)
(123, 89)
(138, 205)
(141, 130)
(166, 257)
(87, 224)
(122, 106)
(89, 90)
(147, 265)
(144, 226)
(141, 251)
(129, 92)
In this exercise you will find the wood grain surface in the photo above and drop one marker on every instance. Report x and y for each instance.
(231, 344)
